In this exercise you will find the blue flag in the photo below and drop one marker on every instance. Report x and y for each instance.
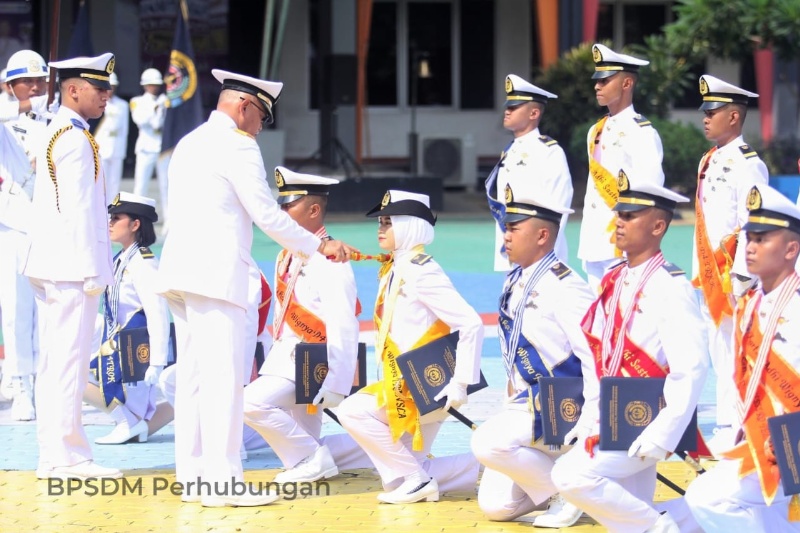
(184, 105)
(80, 43)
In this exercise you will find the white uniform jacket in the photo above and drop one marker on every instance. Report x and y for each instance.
(426, 295)
(628, 141)
(217, 191)
(148, 113)
(328, 290)
(668, 326)
(112, 131)
(534, 156)
(69, 233)
(29, 130)
(731, 173)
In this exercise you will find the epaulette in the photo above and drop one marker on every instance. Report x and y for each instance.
(421, 259)
(78, 124)
(561, 270)
(674, 270)
(146, 252)
(747, 151)
(547, 140)
(642, 121)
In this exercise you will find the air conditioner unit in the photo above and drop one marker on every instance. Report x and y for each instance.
(449, 157)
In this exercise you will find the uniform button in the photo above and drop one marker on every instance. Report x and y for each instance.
(594, 206)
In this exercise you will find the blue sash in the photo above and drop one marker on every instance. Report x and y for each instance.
(108, 368)
(496, 205)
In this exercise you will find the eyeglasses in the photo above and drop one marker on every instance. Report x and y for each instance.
(266, 118)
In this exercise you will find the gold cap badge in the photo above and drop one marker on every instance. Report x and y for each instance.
(509, 194)
(509, 85)
(622, 181)
(386, 199)
(754, 199)
(703, 86)
(596, 54)
(110, 65)
(279, 179)
(116, 200)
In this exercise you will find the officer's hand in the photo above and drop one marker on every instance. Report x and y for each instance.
(92, 286)
(53, 107)
(327, 398)
(39, 104)
(646, 449)
(336, 251)
(152, 374)
(456, 395)
(577, 435)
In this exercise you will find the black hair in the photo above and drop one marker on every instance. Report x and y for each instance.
(146, 234)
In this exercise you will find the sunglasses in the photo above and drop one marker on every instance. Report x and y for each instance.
(266, 118)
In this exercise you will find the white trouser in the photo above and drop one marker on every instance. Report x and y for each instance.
(20, 330)
(140, 402)
(614, 489)
(270, 409)
(112, 167)
(595, 270)
(367, 424)
(720, 349)
(146, 162)
(67, 318)
(722, 502)
(517, 475)
(209, 388)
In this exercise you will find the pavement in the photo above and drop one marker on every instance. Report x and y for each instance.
(464, 236)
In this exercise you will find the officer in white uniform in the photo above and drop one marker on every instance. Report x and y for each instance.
(112, 138)
(148, 112)
(69, 264)
(531, 156)
(131, 302)
(218, 189)
(31, 95)
(314, 293)
(655, 308)
(416, 304)
(542, 305)
(727, 498)
(621, 139)
(726, 174)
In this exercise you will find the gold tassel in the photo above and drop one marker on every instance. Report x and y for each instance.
(794, 509)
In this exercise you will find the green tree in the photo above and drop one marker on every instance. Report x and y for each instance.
(667, 76)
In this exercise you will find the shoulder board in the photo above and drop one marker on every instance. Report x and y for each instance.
(421, 259)
(642, 121)
(747, 151)
(146, 252)
(242, 132)
(547, 140)
(561, 270)
(78, 124)
(674, 270)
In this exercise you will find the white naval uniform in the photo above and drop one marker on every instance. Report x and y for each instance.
(328, 291)
(69, 243)
(112, 138)
(426, 295)
(517, 474)
(137, 290)
(20, 331)
(614, 489)
(29, 130)
(628, 142)
(720, 500)
(731, 173)
(217, 188)
(148, 113)
(534, 156)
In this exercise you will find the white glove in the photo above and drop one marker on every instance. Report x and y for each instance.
(644, 448)
(456, 395)
(326, 398)
(578, 434)
(53, 108)
(152, 374)
(39, 104)
(92, 286)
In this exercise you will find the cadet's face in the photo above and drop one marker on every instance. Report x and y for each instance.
(608, 91)
(299, 210)
(90, 100)
(26, 88)
(716, 122)
(386, 234)
(518, 117)
(766, 253)
(121, 228)
(634, 228)
(524, 241)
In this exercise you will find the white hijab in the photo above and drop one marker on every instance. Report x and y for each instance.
(410, 231)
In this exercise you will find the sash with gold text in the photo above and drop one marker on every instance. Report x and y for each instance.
(604, 181)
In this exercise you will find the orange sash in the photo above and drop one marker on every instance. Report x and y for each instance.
(779, 383)
(714, 277)
(604, 181)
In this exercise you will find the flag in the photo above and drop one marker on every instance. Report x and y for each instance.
(184, 105)
(80, 43)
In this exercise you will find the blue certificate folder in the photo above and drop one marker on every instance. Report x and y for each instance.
(428, 369)
(784, 430)
(311, 367)
(628, 405)
(561, 401)
(134, 352)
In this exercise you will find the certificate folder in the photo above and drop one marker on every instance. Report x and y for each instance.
(628, 405)
(784, 430)
(429, 368)
(561, 402)
(311, 368)
(134, 352)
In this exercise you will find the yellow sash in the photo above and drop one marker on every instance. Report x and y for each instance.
(604, 181)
